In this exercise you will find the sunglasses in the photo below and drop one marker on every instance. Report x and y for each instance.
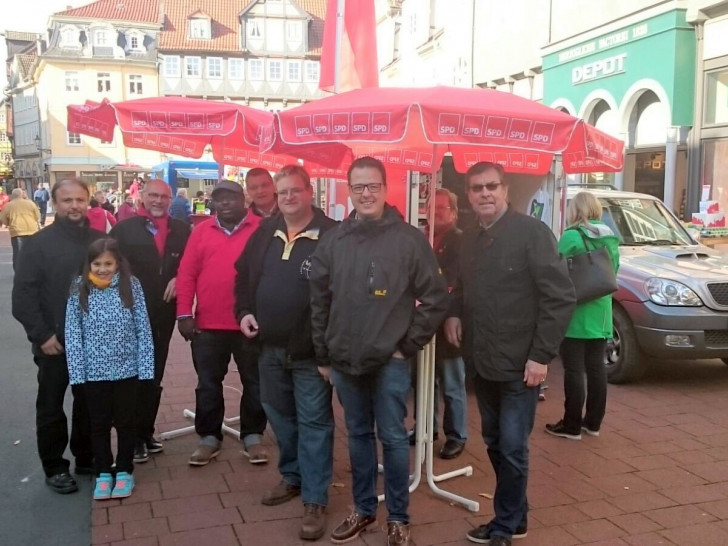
(490, 186)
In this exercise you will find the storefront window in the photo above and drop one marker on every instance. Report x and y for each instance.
(100, 180)
(716, 97)
(715, 170)
(649, 174)
(64, 175)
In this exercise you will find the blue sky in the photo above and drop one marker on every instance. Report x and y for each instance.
(30, 16)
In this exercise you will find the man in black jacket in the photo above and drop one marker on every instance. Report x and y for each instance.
(367, 275)
(153, 243)
(511, 307)
(50, 261)
(272, 304)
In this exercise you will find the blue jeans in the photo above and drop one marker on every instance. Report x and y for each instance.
(378, 397)
(450, 381)
(507, 410)
(297, 401)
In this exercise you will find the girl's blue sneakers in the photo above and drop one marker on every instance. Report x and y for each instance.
(124, 485)
(104, 484)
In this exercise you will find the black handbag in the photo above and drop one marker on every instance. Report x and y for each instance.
(592, 273)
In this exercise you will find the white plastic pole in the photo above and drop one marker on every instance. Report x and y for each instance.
(340, 6)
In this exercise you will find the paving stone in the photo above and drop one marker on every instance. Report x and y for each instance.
(130, 512)
(219, 536)
(594, 530)
(679, 516)
(634, 523)
(202, 520)
(705, 534)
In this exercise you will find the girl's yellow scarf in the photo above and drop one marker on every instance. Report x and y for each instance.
(97, 282)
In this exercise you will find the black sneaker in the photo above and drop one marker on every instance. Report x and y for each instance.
(412, 434)
(558, 429)
(154, 445)
(62, 483)
(481, 535)
(141, 453)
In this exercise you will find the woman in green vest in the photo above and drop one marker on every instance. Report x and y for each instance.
(582, 351)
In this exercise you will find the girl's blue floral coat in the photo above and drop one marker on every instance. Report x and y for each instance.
(109, 342)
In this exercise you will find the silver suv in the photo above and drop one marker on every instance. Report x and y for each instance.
(672, 301)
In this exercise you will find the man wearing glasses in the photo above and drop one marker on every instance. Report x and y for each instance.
(273, 307)
(377, 297)
(153, 244)
(511, 306)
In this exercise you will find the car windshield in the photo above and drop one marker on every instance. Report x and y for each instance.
(640, 221)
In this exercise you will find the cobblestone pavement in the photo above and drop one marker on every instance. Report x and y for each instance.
(658, 474)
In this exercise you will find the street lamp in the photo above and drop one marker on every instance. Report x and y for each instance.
(38, 145)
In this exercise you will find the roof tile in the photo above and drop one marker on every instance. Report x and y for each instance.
(135, 11)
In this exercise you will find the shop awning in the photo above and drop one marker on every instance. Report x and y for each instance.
(198, 174)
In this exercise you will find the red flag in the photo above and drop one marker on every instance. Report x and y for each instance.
(358, 60)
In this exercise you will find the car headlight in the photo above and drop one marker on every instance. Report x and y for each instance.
(667, 292)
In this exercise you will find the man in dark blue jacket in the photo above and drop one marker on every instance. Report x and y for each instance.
(272, 305)
(50, 260)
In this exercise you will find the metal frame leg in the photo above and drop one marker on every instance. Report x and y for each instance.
(188, 414)
(424, 434)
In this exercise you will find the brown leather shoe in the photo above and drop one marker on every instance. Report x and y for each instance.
(313, 525)
(351, 528)
(203, 455)
(256, 454)
(281, 493)
(398, 533)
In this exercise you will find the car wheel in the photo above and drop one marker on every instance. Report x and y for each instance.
(623, 357)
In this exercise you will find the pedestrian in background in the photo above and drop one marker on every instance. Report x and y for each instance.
(99, 218)
(368, 275)
(41, 198)
(206, 283)
(103, 201)
(49, 262)
(180, 207)
(22, 217)
(153, 244)
(273, 306)
(510, 309)
(127, 209)
(109, 347)
(582, 351)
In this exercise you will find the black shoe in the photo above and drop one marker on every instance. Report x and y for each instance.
(413, 436)
(141, 453)
(154, 445)
(481, 535)
(558, 429)
(62, 483)
(451, 449)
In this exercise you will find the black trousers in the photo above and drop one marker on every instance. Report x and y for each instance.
(111, 404)
(50, 419)
(149, 392)
(43, 208)
(584, 357)
(211, 351)
(17, 243)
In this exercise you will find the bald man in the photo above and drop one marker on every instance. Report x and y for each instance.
(153, 243)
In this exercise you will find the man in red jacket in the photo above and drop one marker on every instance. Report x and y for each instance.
(207, 272)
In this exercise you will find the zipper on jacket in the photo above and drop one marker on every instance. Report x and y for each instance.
(371, 278)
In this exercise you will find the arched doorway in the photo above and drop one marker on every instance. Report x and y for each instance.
(605, 118)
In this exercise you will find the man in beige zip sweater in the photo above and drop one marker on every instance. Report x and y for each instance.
(22, 217)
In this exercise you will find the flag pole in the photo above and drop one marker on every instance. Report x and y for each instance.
(340, 6)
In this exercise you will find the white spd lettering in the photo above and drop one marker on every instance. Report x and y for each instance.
(214, 125)
(159, 124)
(471, 131)
(176, 124)
(321, 129)
(518, 135)
(303, 131)
(494, 133)
(339, 128)
(540, 138)
(360, 128)
(447, 130)
(380, 129)
(196, 125)
(139, 123)
(409, 161)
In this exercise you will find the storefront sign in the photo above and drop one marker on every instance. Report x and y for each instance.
(618, 38)
(598, 69)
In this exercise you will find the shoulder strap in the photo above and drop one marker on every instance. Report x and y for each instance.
(584, 239)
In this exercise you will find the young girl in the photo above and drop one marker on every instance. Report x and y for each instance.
(108, 348)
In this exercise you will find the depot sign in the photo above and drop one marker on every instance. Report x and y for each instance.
(598, 69)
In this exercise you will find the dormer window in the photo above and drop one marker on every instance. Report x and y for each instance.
(102, 38)
(70, 37)
(200, 28)
(134, 41)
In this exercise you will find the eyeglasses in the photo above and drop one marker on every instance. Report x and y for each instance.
(490, 186)
(162, 196)
(290, 193)
(374, 187)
